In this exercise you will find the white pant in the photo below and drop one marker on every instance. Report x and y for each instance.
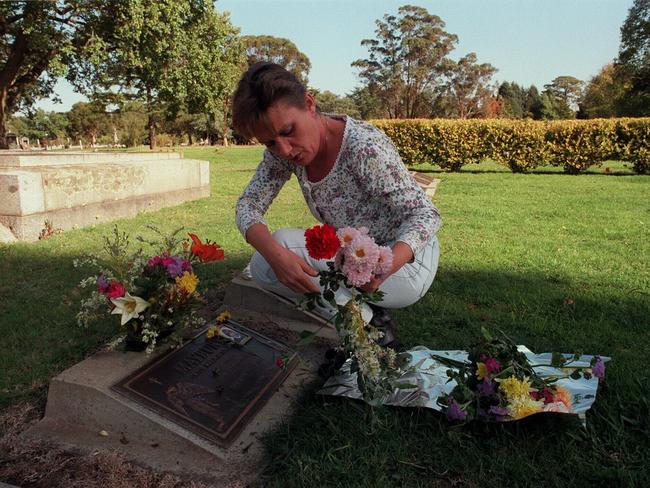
(403, 288)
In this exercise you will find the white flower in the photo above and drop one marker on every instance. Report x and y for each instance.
(129, 307)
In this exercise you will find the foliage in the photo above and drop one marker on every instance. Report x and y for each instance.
(170, 55)
(467, 87)
(39, 125)
(519, 146)
(331, 103)
(406, 60)
(634, 143)
(89, 120)
(574, 145)
(35, 37)
(634, 55)
(566, 89)
(280, 51)
(577, 145)
(605, 94)
(519, 102)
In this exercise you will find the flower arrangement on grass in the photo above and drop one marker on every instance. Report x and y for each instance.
(154, 295)
(498, 383)
(357, 259)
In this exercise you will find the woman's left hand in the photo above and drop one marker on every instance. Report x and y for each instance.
(402, 254)
(373, 284)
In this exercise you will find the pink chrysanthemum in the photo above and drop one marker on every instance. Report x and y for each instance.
(385, 261)
(360, 259)
(358, 277)
(347, 234)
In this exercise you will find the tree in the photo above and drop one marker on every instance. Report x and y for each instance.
(35, 36)
(88, 120)
(367, 102)
(332, 103)
(280, 51)
(634, 56)
(512, 98)
(168, 54)
(605, 94)
(132, 121)
(406, 60)
(566, 89)
(468, 87)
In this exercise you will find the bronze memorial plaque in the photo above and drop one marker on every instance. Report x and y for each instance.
(212, 387)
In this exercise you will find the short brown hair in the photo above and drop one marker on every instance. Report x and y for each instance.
(259, 88)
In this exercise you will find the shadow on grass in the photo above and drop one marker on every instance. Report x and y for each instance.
(338, 442)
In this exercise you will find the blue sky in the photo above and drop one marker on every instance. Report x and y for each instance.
(528, 41)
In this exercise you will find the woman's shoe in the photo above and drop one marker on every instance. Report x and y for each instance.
(384, 323)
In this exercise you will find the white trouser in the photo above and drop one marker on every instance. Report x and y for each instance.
(403, 288)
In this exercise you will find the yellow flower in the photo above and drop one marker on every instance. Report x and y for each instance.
(223, 317)
(481, 371)
(524, 406)
(187, 282)
(514, 388)
(212, 331)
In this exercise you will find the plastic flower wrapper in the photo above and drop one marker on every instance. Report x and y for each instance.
(495, 381)
(154, 295)
(357, 260)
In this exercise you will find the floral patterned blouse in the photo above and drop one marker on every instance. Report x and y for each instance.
(367, 186)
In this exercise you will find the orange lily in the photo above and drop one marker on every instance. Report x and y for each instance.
(206, 252)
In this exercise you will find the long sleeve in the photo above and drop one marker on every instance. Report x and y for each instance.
(405, 207)
(269, 178)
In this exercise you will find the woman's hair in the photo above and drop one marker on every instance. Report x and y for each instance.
(259, 88)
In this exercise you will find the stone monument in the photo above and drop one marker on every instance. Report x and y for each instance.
(73, 189)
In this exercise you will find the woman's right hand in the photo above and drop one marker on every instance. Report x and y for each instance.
(293, 272)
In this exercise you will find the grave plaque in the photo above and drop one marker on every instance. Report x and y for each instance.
(212, 387)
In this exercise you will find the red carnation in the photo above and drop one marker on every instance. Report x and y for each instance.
(322, 241)
(206, 252)
(115, 290)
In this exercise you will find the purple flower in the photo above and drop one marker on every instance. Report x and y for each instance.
(102, 283)
(598, 367)
(485, 388)
(497, 411)
(178, 266)
(454, 410)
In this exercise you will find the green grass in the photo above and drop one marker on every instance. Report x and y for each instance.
(515, 249)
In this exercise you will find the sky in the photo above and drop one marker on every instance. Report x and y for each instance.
(528, 41)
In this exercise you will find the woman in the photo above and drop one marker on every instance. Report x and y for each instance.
(351, 176)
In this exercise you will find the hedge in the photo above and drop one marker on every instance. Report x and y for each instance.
(521, 145)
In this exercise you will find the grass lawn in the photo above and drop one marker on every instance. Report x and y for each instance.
(558, 262)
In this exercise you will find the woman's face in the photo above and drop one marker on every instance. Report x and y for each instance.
(290, 132)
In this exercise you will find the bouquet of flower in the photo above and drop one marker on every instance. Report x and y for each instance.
(357, 259)
(498, 383)
(154, 296)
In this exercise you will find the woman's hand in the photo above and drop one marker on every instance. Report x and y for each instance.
(293, 272)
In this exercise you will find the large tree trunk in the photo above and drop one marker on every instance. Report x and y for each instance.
(3, 120)
(225, 123)
(151, 121)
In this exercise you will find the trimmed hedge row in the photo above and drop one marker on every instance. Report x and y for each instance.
(521, 145)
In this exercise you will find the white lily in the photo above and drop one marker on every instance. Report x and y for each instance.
(129, 307)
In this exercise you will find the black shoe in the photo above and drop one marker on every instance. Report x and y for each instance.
(384, 323)
(334, 359)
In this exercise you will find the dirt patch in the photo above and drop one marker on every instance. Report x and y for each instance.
(43, 465)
